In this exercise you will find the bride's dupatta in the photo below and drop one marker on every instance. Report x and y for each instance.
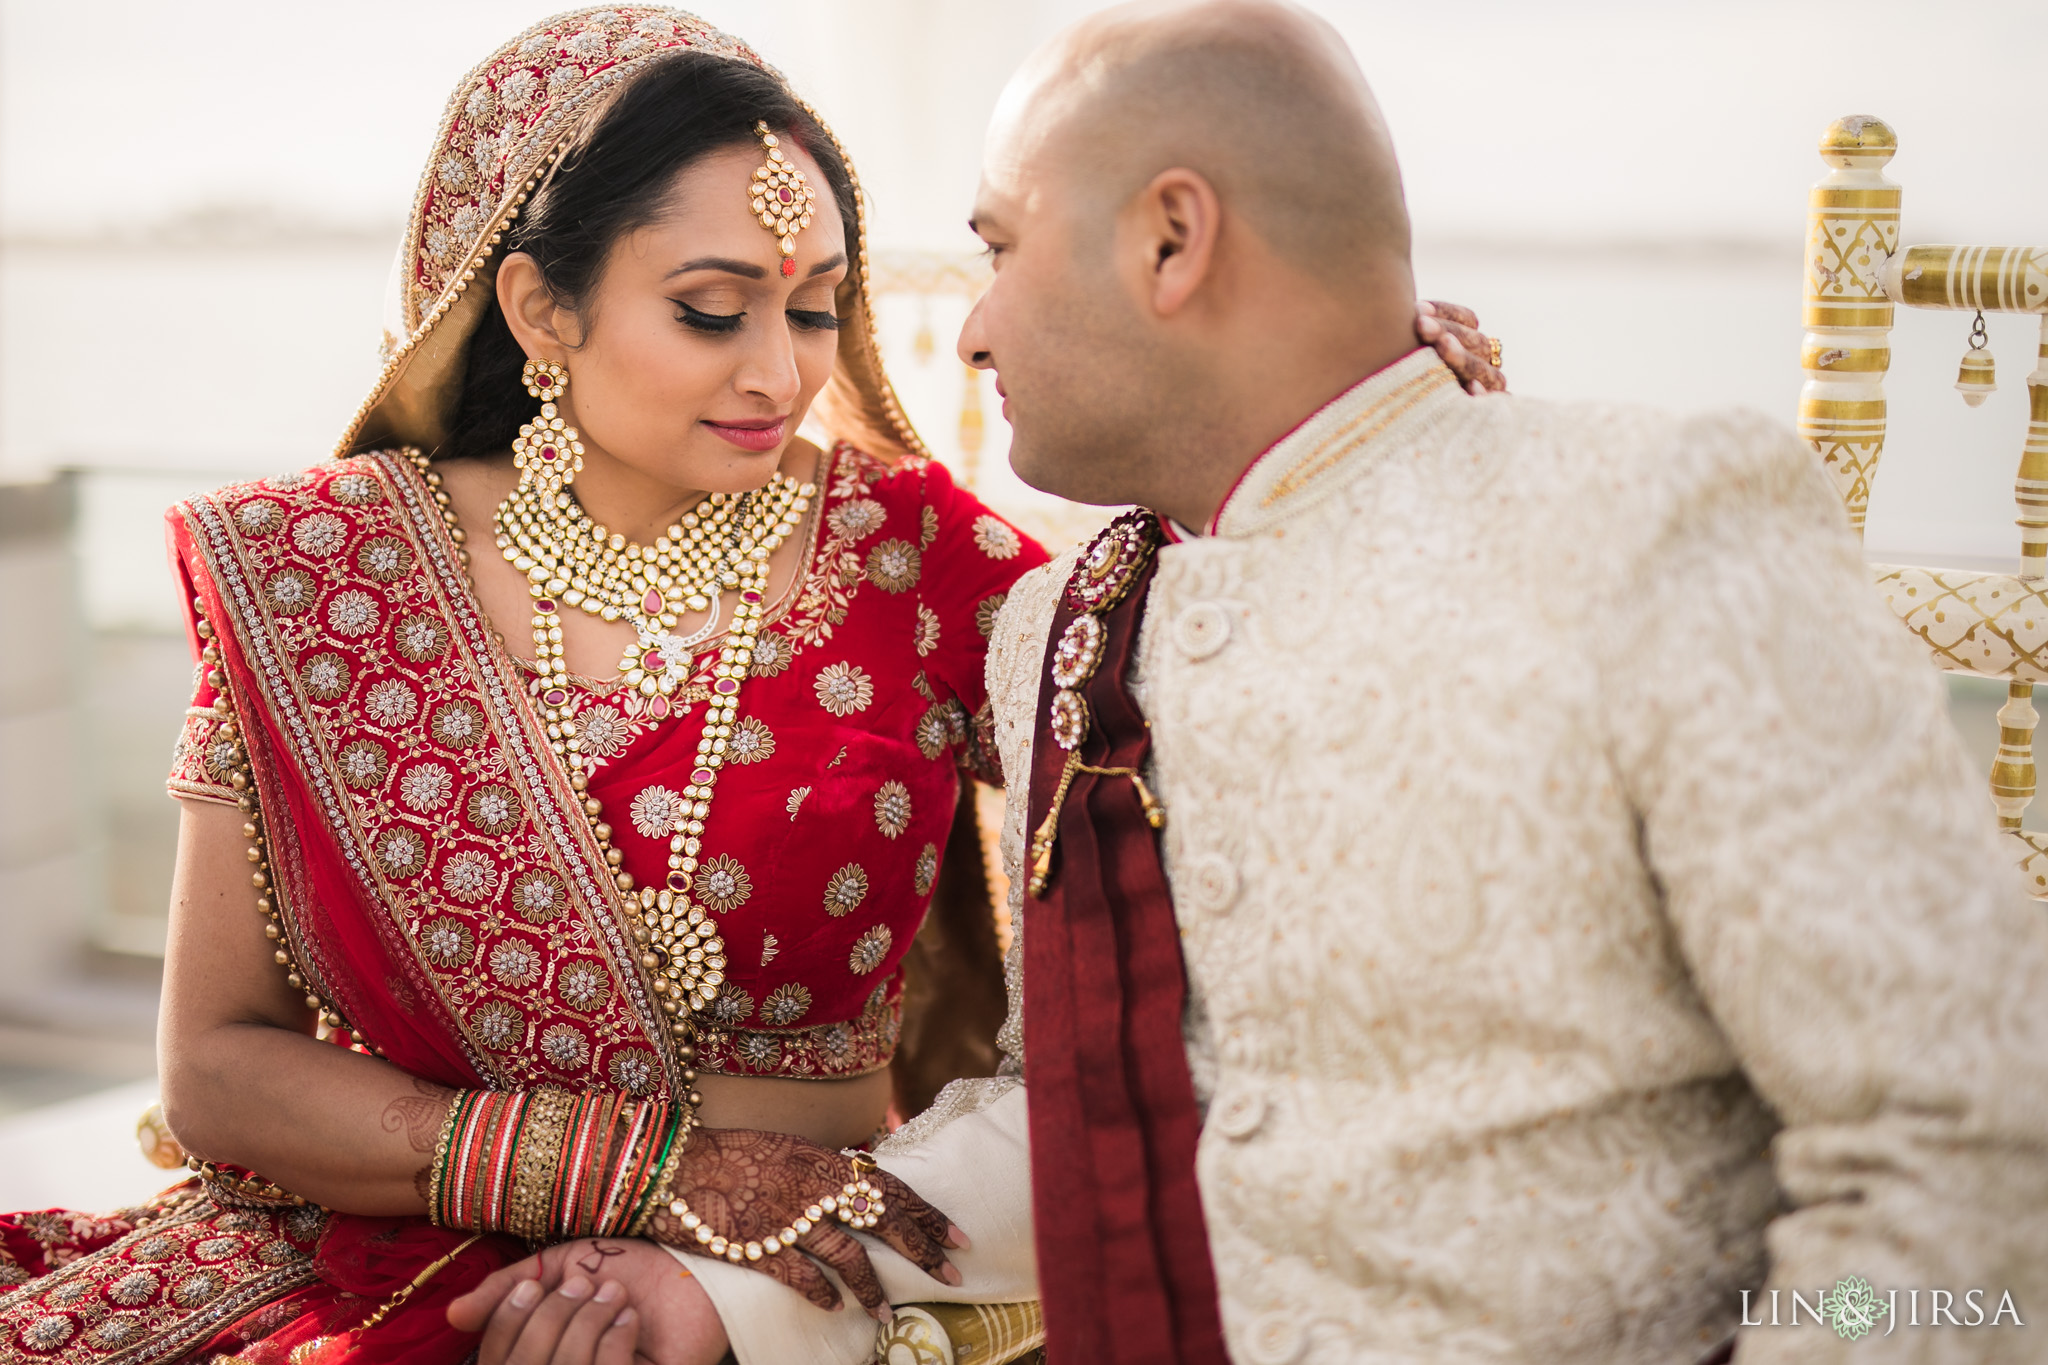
(358, 666)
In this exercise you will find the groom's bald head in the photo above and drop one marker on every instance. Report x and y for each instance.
(1199, 236)
(1262, 98)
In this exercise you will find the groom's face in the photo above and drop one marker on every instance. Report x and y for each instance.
(1057, 325)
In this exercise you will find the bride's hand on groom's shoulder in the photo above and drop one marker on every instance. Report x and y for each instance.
(593, 1301)
(1452, 331)
(746, 1187)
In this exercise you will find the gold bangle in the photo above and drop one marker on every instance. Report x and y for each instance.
(658, 1199)
(1494, 348)
(543, 1128)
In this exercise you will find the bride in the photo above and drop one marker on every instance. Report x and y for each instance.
(571, 768)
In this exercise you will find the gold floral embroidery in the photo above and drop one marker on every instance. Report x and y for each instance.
(870, 949)
(458, 724)
(385, 559)
(723, 884)
(319, 535)
(584, 985)
(892, 809)
(751, 742)
(732, 1006)
(565, 1046)
(539, 897)
(494, 809)
(259, 518)
(446, 942)
(925, 637)
(785, 1005)
(422, 638)
(499, 1024)
(927, 874)
(852, 1048)
(928, 526)
(996, 538)
(364, 764)
(356, 490)
(290, 592)
(796, 799)
(515, 963)
(845, 890)
(469, 875)
(772, 653)
(391, 703)
(353, 613)
(931, 733)
(985, 614)
(844, 688)
(857, 520)
(325, 676)
(655, 810)
(401, 851)
(426, 787)
(633, 1070)
(893, 566)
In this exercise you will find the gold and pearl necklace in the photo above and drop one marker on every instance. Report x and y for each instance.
(569, 560)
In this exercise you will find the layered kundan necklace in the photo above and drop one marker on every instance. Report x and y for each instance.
(720, 547)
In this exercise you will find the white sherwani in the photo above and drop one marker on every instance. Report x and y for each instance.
(1588, 912)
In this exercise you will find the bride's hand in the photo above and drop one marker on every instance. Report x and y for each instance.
(1453, 332)
(593, 1301)
(747, 1186)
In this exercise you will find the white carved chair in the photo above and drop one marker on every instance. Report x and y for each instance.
(1989, 625)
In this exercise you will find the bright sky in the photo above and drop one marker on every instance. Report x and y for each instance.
(1576, 119)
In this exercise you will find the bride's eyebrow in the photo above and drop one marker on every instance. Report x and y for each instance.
(746, 269)
(724, 264)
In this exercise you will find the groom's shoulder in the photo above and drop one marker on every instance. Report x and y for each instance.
(1641, 467)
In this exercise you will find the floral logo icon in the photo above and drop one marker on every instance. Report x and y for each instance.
(1852, 1308)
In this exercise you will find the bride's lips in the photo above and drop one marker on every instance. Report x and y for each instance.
(765, 434)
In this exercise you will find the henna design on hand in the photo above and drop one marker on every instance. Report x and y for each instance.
(749, 1185)
(1463, 347)
(419, 1117)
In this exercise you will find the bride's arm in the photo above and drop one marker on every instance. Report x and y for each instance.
(244, 1079)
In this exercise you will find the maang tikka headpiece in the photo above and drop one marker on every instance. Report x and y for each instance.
(781, 197)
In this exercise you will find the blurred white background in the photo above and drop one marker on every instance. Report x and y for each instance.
(198, 205)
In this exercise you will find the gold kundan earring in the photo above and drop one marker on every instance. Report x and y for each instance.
(549, 453)
(781, 197)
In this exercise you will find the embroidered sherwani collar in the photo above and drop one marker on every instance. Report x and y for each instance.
(1383, 411)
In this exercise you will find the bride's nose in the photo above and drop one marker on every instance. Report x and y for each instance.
(769, 367)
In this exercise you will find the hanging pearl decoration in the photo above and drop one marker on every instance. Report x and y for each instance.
(722, 546)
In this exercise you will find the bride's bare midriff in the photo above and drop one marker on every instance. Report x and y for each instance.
(834, 1113)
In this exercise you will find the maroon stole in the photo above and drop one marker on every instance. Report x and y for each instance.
(1123, 1254)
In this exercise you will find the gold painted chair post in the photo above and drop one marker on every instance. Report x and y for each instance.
(1985, 624)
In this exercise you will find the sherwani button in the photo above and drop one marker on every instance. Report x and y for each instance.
(1212, 883)
(1275, 1338)
(1239, 1117)
(1201, 629)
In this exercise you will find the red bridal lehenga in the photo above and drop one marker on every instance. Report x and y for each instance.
(435, 883)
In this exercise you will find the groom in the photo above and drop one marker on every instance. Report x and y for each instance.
(1585, 911)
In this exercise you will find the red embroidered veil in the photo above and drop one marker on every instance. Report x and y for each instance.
(440, 891)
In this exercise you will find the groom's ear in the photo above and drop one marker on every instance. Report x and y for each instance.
(1170, 229)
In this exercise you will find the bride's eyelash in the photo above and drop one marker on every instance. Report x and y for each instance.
(813, 320)
(701, 321)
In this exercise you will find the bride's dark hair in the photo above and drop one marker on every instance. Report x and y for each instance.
(615, 178)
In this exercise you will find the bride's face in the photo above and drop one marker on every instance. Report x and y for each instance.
(695, 358)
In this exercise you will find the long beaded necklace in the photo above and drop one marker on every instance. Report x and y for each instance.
(570, 560)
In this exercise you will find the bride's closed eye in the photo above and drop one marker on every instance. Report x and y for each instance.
(699, 320)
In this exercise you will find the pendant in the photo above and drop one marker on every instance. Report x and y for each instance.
(656, 663)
